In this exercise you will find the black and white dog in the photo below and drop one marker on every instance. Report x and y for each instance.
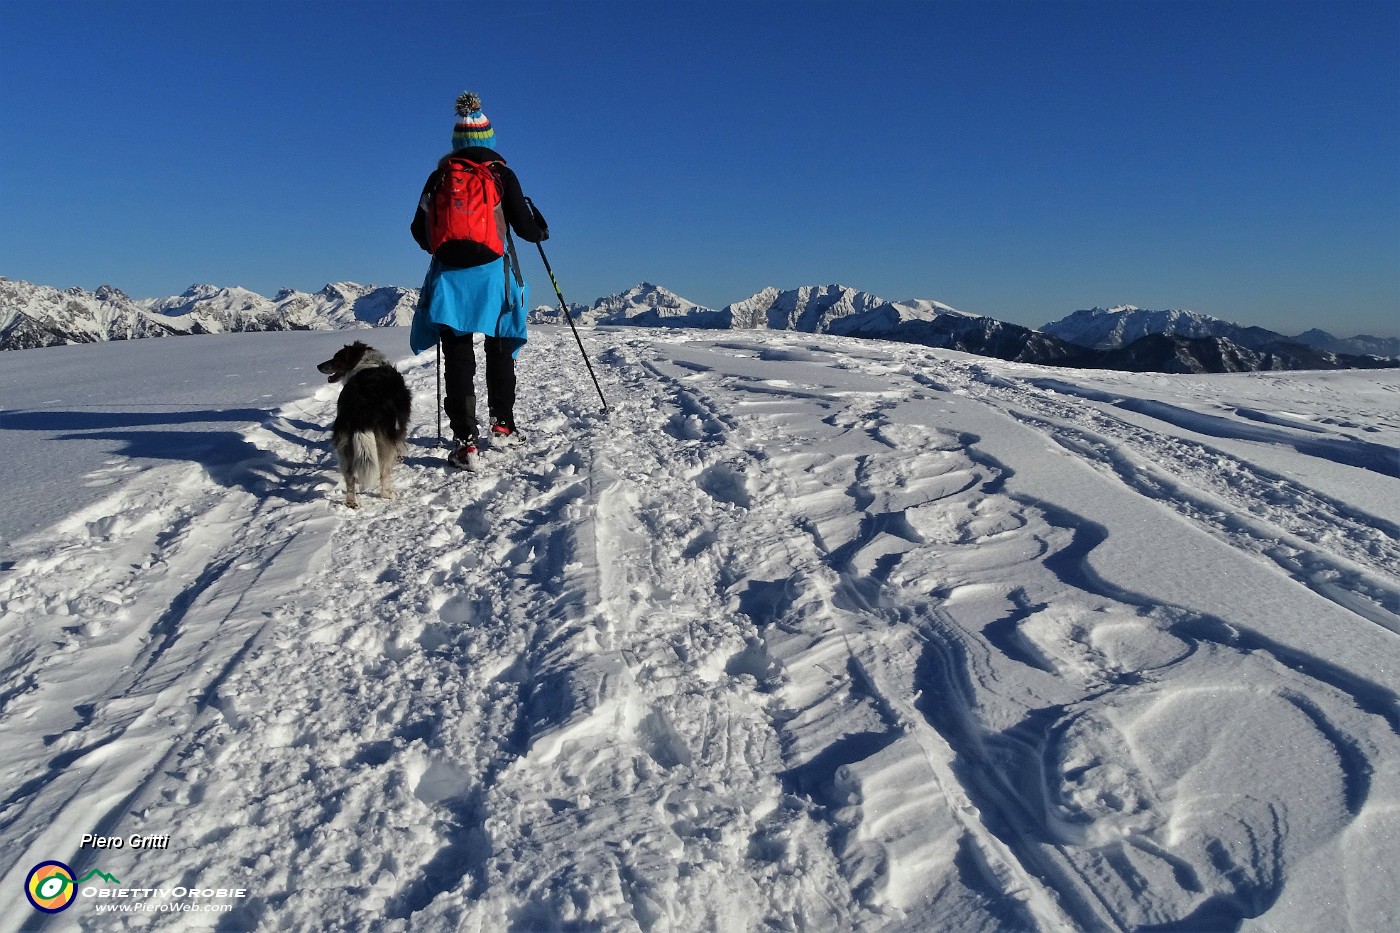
(371, 417)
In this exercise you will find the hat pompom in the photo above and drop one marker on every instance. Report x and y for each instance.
(468, 103)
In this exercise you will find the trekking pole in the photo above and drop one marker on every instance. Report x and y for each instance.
(437, 400)
(570, 318)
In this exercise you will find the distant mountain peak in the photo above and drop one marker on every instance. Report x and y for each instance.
(1109, 328)
(640, 304)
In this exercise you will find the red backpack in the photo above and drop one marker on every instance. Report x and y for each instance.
(466, 206)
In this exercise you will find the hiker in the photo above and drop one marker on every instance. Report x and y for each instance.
(469, 206)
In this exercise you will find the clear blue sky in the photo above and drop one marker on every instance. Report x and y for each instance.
(1018, 159)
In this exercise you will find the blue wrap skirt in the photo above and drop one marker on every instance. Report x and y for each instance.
(476, 300)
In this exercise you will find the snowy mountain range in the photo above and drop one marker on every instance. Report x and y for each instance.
(1126, 337)
(40, 316)
(1115, 328)
(812, 309)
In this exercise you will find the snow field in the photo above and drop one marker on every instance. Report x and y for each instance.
(812, 633)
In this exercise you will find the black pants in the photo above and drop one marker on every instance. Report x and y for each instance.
(459, 364)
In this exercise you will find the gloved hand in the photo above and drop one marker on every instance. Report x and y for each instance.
(539, 219)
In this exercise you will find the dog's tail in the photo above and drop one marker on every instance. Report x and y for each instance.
(363, 458)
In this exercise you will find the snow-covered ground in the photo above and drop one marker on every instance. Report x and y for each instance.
(812, 634)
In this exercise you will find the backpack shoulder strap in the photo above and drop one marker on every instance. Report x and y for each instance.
(511, 259)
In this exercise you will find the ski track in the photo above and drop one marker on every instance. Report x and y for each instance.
(1339, 552)
(780, 654)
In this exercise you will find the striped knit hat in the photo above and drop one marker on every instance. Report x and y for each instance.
(472, 127)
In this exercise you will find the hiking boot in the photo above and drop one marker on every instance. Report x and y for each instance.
(504, 435)
(464, 457)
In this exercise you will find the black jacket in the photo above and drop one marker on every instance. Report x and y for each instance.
(527, 223)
